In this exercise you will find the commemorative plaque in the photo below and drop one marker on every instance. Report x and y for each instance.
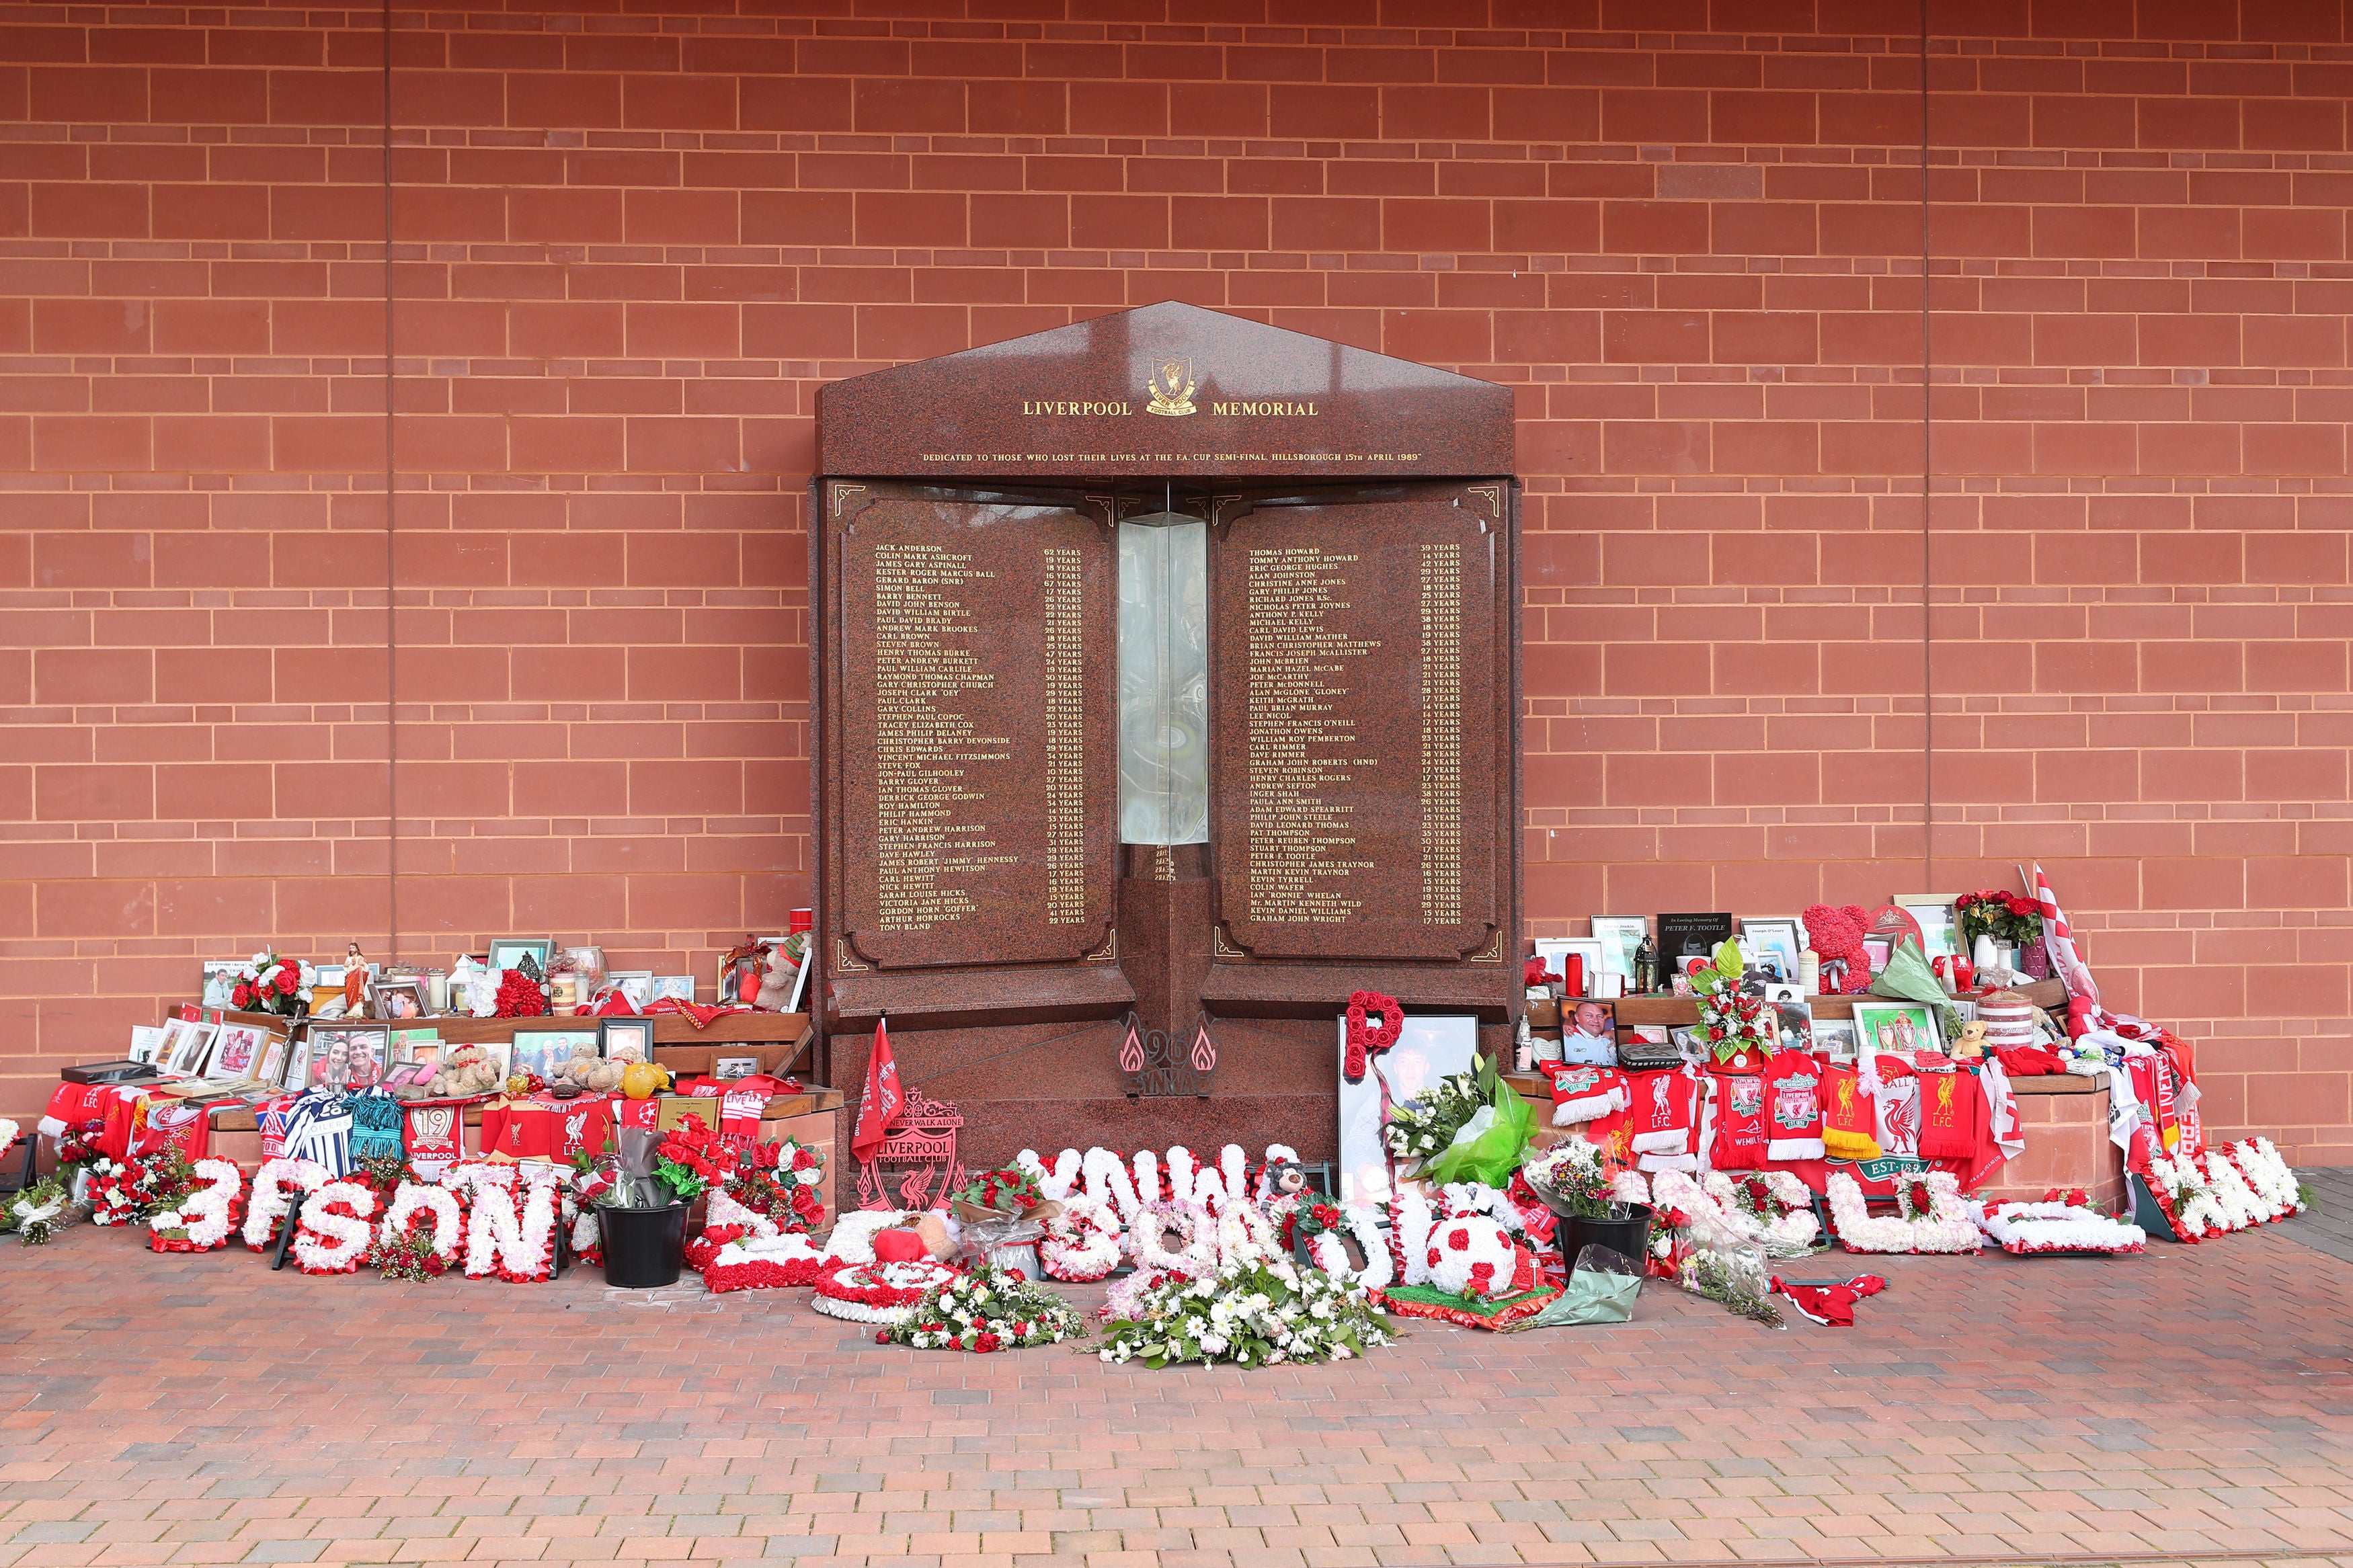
(1163, 664)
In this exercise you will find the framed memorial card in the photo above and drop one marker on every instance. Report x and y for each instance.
(678, 986)
(1940, 937)
(1900, 1027)
(509, 951)
(273, 1069)
(146, 1043)
(192, 1048)
(296, 1072)
(1772, 943)
(1431, 1047)
(1619, 936)
(1556, 950)
(1683, 937)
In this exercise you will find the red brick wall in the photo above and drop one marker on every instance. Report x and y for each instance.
(628, 248)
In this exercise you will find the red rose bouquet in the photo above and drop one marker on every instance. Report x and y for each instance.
(2005, 917)
(269, 983)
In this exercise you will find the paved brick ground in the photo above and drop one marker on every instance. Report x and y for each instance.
(2194, 1402)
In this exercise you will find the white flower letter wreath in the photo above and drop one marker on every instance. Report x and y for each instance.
(1945, 1226)
(1080, 1243)
(273, 1188)
(409, 1201)
(206, 1217)
(333, 1229)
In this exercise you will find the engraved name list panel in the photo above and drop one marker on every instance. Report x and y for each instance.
(977, 693)
(1354, 702)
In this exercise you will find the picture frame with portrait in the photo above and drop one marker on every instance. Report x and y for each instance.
(626, 1039)
(1836, 1038)
(678, 986)
(190, 1046)
(728, 1068)
(295, 1073)
(1940, 932)
(398, 1000)
(543, 1051)
(1431, 1047)
(349, 1056)
(273, 1069)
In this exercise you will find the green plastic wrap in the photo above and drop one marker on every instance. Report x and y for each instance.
(1907, 975)
(1488, 1147)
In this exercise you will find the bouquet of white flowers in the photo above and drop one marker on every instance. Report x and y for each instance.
(986, 1310)
(1251, 1314)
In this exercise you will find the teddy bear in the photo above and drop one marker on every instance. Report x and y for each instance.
(1835, 937)
(467, 1070)
(589, 1071)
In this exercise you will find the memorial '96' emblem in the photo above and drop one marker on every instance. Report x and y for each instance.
(1171, 386)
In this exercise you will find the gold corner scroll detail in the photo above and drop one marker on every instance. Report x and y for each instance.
(1220, 947)
(841, 494)
(1495, 494)
(1109, 952)
(844, 964)
(1494, 954)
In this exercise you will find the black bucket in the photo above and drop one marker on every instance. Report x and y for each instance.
(643, 1247)
(1630, 1236)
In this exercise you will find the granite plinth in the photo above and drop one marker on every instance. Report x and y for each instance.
(1167, 390)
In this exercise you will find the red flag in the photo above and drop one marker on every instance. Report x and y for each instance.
(880, 1109)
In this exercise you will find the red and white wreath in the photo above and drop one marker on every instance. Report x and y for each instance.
(1475, 1257)
(1081, 1242)
(763, 1263)
(517, 1243)
(203, 1220)
(1931, 1216)
(412, 1202)
(877, 1292)
(2060, 1222)
(332, 1233)
(272, 1197)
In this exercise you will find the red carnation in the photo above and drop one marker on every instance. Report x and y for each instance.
(985, 1344)
(2022, 906)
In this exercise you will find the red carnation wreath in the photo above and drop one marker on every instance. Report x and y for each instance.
(1368, 1039)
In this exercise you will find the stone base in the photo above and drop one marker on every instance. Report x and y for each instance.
(2065, 1121)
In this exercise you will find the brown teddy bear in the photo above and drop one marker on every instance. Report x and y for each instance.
(588, 1070)
(467, 1070)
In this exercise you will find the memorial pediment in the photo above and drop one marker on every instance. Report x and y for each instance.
(1171, 390)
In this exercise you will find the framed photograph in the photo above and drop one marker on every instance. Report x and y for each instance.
(800, 983)
(1772, 943)
(146, 1043)
(397, 1001)
(190, 1048)
(237, 1052)
(637, 984)
(724, 1068)
(1619, 936)
(349, 1056)
(626, 1039)
(1797, 1022)
(1876, 951)
(1588, 1034)
(422, 1053)
(1940, 933)
(544, 1050)
(1554, 949)
(407, 1075)
(508, 951)
(273, 1069)
(219, 980)
(681, 986)
(295, 1074)
(1433, 1047)
(1836, 1038)
(1897, 1026)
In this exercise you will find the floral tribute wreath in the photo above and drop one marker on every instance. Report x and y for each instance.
(403, 1252)
(1931, 1216)
(515, 1242)
(1771, 1208)
(761, 1263)
(112, 1200)
(1253, 1313)
(1368, 1039)
(272, 1197)
(2207, 1195)
(1081, 1242)
(882, 1293)
(2060, 1222)
(988, 1310)
(1462, 1267)
(1319, 1225)
(333, 1230)
(204, 1220)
